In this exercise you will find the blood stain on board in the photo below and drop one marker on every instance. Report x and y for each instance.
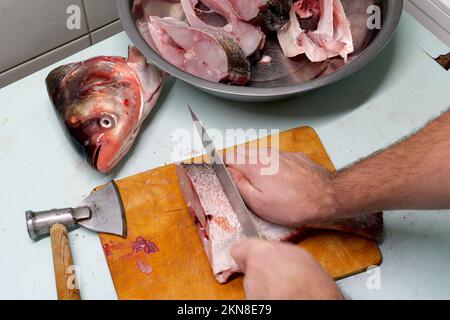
(138, 247)
(147, 247)
(109, 248)
(144, 267)
(143, 245)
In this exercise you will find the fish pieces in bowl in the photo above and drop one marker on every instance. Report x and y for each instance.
(258, 43)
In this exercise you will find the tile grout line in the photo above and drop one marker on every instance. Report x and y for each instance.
(83, 3)
(44, 53)
(59, 47)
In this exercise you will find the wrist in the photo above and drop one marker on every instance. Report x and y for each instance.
(319, 204)
(344, 198)
(332, 204)
(354, 195)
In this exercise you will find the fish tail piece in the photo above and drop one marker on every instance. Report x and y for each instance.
(369, 226)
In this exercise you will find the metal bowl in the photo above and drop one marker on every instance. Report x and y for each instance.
(284, 77)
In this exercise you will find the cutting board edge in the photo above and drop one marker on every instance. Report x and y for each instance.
(327, 155)
(376, 263)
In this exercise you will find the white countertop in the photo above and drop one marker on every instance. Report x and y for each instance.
(388, 100)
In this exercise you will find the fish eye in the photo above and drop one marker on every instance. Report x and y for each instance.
(106, 122)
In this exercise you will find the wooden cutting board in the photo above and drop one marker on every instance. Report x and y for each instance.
(163, 257)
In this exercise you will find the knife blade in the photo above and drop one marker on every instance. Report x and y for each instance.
(236, 201)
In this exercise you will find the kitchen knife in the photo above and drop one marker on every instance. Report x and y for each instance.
(236, 201)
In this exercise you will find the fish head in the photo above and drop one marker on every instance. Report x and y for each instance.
(101, 103)
(100, 128)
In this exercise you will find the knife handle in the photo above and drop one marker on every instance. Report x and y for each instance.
(65, 271)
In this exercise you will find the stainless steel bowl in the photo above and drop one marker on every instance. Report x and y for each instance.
(283, 77)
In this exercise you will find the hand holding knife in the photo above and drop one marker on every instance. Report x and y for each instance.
(236, 201)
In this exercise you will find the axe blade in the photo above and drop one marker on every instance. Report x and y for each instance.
(107, 211)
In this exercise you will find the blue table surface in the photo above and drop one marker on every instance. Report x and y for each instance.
(395, 95)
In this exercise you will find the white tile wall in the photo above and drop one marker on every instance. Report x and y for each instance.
(106, 32)
(34, 34)
(43, 61)
(100, 13)
(31, 28)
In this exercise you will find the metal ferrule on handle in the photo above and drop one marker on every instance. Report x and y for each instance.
(39, 223)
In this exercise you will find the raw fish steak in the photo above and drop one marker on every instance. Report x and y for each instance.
(207, 53)
(220, 230)
(102, 103)
(317, 28)
(249, 37)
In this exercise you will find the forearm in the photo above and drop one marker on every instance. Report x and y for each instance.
(414, 174)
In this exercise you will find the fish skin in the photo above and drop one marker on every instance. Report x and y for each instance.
(271, 14)
(55, 77)
(369, 226)
(219, 227)
(102, 103)
(237, 61)
(276, 15)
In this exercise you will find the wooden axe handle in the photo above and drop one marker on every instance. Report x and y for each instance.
(65, 275)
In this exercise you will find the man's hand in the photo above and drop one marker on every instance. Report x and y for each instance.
(299, 193)
(414, 174)
(278, 271)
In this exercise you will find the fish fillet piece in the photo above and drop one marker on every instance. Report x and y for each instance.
(317, 28)
(206, 53)
(102, 103)
(272, 14)
(249, 37)
(342, 30)
(219, 228)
